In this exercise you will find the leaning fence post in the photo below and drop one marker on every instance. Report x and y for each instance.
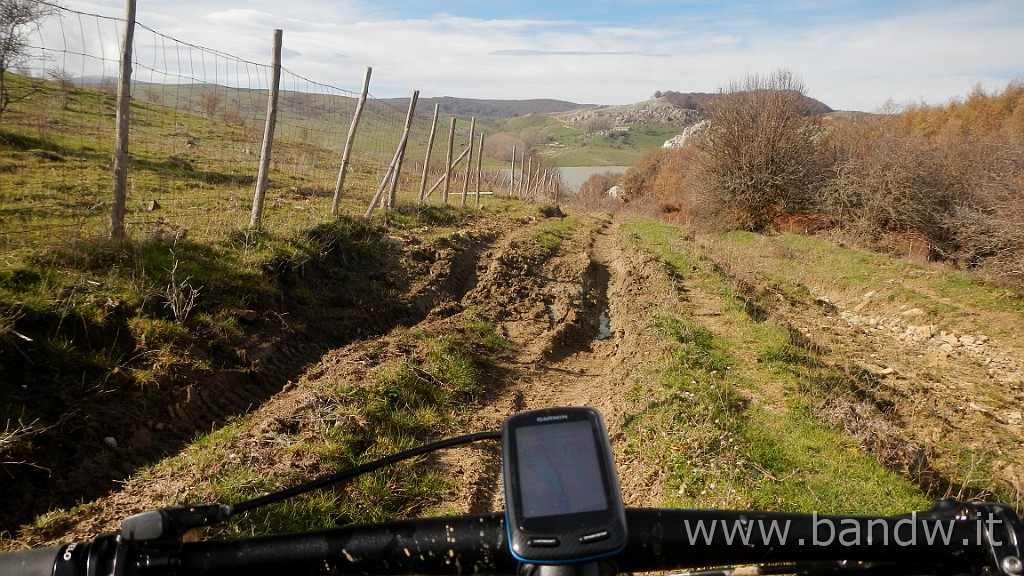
(469, 162)
(479, 162)
(430, 148)
(350, 142)
(124, 87)
(268, 135)
(400, 153)
(444, 177)
(448, 162)
(396, 162)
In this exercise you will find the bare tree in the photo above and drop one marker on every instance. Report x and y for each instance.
(210, 101)
(65, 81)
(17, 20)
(757, 155)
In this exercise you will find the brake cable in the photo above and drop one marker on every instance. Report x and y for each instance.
(171, 523)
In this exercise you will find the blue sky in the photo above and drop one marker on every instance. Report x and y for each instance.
(852, 55)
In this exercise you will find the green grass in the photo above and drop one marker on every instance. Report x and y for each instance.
(550, 233)
(93, 318)
(410, 401)
(953, 299)
(727, 410)
(571, 147)
(692, 415)
(806, 466)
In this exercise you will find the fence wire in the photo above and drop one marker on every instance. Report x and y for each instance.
(196, 130)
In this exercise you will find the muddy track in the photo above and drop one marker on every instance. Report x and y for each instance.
(575, 316)
(578, 324)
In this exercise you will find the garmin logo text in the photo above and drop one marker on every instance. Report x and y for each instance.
(551, 418)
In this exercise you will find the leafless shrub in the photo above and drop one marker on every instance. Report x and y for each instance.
(988, 224)
(18, 20)
(593, 193)
(757, 157)
(963, 196)
(65, 81)
(900, 184)
(210, 101)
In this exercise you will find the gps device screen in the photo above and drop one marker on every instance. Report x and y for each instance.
(550, 483)
(562, 497)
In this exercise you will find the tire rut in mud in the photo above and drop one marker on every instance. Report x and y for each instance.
(553, 314)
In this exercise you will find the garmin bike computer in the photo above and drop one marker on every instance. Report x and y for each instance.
(562, 498)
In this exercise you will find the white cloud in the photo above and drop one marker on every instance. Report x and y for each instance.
(852, 60)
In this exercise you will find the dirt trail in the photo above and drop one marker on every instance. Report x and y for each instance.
(577, 318)
(578, 323)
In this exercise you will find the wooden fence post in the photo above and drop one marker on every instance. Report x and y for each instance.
(522, 175)
(396, 162)
(512, 175)
(268, 135)
(430, 148)
(479, 166)
(469, 163)
(350, 142)
(400, 153)
(529, 177)
(124, 104)
(448, 162)
(444, 177)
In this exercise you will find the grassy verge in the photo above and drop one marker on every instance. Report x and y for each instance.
(733, 428)
(113, 315)
(88, 324)
(951, 299)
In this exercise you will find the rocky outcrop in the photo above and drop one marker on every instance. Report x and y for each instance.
(680, 140)
(656, 111)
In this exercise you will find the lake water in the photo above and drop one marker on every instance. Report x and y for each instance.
(573, 176)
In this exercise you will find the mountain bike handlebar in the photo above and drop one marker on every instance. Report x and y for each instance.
(951, 538)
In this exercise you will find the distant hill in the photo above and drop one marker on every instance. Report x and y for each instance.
(488, 108)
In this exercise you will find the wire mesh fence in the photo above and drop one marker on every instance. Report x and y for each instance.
(196, 129)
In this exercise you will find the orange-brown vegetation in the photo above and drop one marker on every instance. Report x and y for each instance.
(942, 182)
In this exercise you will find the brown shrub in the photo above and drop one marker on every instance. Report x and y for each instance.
(593, 193)
(758, 158)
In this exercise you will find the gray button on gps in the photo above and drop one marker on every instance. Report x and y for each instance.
(595, 537)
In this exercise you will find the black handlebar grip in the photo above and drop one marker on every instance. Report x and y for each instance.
(36, 562)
